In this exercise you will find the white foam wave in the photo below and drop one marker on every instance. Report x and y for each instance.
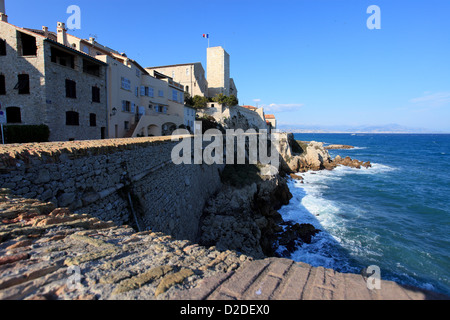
(310, 206)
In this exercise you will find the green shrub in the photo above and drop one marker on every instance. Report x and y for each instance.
(27, 133)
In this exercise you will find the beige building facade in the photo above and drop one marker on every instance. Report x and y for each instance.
(190, 75)
(139, 102)
(218, 73)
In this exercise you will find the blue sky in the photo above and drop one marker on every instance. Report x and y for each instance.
(311, 62)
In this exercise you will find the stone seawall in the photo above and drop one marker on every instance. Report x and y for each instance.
(122, 180)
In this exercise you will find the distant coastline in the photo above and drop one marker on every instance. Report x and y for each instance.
(382, 129)
(358, 132)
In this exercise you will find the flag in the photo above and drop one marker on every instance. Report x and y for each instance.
(206, 36)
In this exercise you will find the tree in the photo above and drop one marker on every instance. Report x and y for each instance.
(188, 99)
(221, 98)
(232, 101)
(229, 101)
(199, 102)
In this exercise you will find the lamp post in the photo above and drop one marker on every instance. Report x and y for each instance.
(113, 112)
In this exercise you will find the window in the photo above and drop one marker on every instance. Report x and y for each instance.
(91, 68)
(72, 118)
(23, 84)
(2, 47)
(71, 89)
(174, 95)
(151, 92)
(26, 44)
(138, 73)
(2, 85)
(142, 91)
(127, 106)
(13, 115)
(136, 91)
(187, 71)
(126, 84)
(86, 49)
(92, 120)
(161, 93)
(96, 94)
(126, 125)
(62, 58)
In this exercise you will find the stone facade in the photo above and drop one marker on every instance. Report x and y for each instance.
(42, 96)
(218, 71)
(190, 75)
(236, 117)
(125, 181)
(139, 103)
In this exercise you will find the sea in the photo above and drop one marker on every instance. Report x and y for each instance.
(394, 215)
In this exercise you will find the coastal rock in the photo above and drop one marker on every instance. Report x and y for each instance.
(338, 147)
(297, 234)
(245, 219)
(352, 163)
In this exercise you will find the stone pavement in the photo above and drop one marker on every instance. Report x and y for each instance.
(49, 253)
(283, 279)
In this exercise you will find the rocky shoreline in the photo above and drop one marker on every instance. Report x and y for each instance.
(244, 216)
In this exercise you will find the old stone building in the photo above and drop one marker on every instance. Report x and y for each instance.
(218, 72)
(46, 82)
(270, 118)
(190, 75)
(140, 102)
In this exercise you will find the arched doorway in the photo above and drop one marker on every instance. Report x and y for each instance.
(168, 128)
(153, 131)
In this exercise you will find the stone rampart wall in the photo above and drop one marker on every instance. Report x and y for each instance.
(127, 181)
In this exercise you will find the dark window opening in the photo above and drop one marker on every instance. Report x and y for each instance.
(71, 89)
(95, 94)
(2, 85)
(26, 44)
(13, 115)
(23, 84)
(63, 58)
(72, 118)
(2, 47)
(93, 120)
(91, 68)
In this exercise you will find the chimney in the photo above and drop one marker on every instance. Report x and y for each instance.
(45, 29)
(61, 31)
(3, 16)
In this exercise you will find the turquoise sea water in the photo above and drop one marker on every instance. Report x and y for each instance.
(395, 215)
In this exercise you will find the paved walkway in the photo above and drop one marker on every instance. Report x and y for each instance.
(51, 253)
(283, 279)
